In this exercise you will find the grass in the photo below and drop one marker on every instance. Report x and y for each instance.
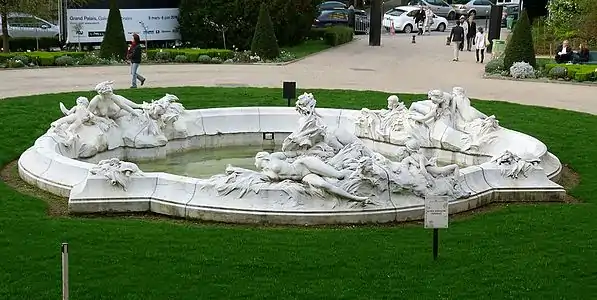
(307, 48)
(546, 251)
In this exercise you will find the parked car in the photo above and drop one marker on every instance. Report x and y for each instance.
(329, 5)
(478, 8)
(439, 7)
(29, 26)
(333, 17)
(510, 9)
(404, 19)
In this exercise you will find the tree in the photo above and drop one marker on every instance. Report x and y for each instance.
(41, 8)
(114, 42)
(264, 42)
(520, 47)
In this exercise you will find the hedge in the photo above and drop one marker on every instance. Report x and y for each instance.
(191, 54)
(264, 41)
(114, 42)
(338, 35)
(576, 72)
(520, 46)
(40, 58)
(24, 44)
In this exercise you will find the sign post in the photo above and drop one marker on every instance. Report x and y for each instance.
(289, 91)
(64, 250)
(436, 217)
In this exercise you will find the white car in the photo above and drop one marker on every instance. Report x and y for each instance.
(29, 26)
(404, 20)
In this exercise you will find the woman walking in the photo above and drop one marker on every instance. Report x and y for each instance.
(480, 43)
(472, 30)
(134, 55)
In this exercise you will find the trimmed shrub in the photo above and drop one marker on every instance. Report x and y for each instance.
(181, 58)
(216, 60)
(338, 35)
(25, 59)
(114, 43)
(192, 54)
(204, 59)
(570, 73)
(584, 76)
(520, 47)
(65, 60)
(557, 72)
(162, 56)
(46, 61)
(89, 60)
(521, 70)
(15, 63)
(264, 40)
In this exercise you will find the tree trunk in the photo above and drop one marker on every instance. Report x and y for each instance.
(4, 18)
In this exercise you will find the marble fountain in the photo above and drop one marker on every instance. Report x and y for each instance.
(333, 166)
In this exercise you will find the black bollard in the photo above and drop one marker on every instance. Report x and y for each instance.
(414, 41)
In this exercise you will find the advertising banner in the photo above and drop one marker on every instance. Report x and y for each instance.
(89, 25)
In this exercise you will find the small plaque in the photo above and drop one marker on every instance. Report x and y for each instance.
(268, 136)
(436, 211)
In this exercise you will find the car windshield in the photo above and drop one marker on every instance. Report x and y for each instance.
(394, 12)
(338, 14)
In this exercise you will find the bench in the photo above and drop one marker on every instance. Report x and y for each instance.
(592, 58)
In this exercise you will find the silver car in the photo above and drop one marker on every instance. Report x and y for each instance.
(439, 7)
(478, 8)
(29, 26)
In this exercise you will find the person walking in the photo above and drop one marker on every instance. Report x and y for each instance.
(428, 20)
(134, 56)
(480, 44)
(472, 30)
(419, 19)
(457, 38)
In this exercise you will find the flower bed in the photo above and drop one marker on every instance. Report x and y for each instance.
(546, 69)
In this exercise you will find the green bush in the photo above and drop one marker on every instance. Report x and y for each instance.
(292, 21)
(520, 47)
(163, 56)
(204, 59)
(557, 72)
(89, 60)
(65, 60)
(15, 63)
(264, 41)
(317, 33)
(192, 54)
(4, 57)
(216, 60)
(181, 58)
(114, 42)
(46, 61)
(495, 66)
(25, 59)
(570, 73)
(584, 76)
(338, 35)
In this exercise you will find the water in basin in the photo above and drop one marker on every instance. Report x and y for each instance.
(203, 163)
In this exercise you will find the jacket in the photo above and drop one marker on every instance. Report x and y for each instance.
(480, 41)
(561, 48)
(457, 34)
(472, 30)
(135, 54)
(584, 55)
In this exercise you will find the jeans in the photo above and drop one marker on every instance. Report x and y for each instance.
(469, 43)
(482, 54)
(457, 46)
(136, 76)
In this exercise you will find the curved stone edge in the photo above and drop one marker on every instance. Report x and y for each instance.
(42, 166)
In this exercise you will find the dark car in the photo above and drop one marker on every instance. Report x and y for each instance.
(334, 17)
(330, 5)
(510, 9)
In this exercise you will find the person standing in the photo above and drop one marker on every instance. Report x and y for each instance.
(134, 55)
(464, 24)
(419, 19)
(472, 30)
(480, 44)
(457, 38)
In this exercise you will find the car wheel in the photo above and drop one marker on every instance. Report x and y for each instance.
(441, 27)
(408, 28)
(451, 15)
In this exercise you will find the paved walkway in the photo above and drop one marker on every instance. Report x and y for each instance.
(396, 66)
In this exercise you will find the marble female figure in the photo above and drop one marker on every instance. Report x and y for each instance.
(109, 105)
(308, 169)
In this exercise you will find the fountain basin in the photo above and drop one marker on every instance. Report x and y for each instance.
(48, 166)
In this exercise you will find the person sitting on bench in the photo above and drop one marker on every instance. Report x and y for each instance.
(564, 53)
(582, 55)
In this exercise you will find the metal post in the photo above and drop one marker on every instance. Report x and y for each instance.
(64, 271)
(435, 242)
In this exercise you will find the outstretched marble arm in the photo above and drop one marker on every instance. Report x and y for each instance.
(126, 104)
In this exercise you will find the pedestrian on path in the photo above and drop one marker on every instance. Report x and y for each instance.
(457, 38)
(480, 44)
(134, 55)
(464, 24)
(472, 30)
(428, 20)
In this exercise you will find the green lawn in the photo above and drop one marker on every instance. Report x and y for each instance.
(307, 48)
(533, 251)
